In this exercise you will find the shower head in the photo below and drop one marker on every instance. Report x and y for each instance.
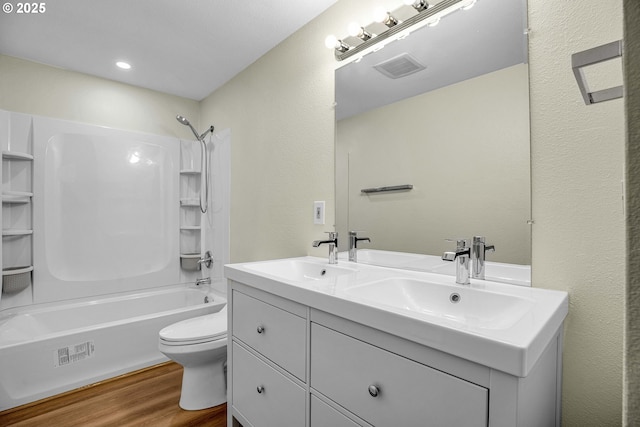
(182, 120)
(185, 122)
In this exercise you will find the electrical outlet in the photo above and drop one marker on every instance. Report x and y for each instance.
(318, 212)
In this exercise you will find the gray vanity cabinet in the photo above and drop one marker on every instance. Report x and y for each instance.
(293, 365)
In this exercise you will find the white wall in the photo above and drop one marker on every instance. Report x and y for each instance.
(31, 88)
(578, 237)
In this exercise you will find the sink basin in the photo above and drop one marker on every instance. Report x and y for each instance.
(463, 305)
(299, 270)
(497, 325)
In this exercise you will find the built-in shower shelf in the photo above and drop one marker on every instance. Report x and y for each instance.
(16, 197)
(16, 155)
(16, 232)
(190, 227)
(189, 172)
(190, 203)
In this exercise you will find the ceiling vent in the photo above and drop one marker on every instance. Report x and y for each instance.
(399, 66)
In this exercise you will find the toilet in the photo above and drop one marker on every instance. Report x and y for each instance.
(199, 344)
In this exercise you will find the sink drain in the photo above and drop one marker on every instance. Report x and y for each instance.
(455, 297)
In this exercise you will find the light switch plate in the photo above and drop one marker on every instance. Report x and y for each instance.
(318, 212)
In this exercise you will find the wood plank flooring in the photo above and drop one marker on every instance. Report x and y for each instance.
(144, 398)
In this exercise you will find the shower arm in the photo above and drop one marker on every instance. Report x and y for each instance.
(206, 132)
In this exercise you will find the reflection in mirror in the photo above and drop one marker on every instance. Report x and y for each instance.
(460, 138)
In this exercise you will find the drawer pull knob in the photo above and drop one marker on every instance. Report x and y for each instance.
(260, 389)
(374, 390)
(260, 329)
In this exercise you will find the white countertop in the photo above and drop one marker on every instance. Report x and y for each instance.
(512, 347)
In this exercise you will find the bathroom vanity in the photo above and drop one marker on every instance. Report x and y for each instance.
(313, 344)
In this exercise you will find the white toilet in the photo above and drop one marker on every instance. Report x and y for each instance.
(200, 346)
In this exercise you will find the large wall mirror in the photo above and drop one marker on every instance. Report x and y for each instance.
(457, 131)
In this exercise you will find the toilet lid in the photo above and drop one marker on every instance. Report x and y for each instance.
(208, 327)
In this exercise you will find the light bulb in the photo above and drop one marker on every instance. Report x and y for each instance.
(355, 30)
(331, 42)
(382, 16)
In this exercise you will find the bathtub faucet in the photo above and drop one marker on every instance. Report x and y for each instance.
(203, 281)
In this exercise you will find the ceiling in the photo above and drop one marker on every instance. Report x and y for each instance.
(184, 48)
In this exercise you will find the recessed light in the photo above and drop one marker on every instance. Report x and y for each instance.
(123, 65)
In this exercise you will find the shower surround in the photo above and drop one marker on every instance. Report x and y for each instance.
(101, 218)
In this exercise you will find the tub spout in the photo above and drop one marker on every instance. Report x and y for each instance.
(203, 281)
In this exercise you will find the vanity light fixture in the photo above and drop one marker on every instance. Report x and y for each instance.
(356, 30)
(382, 16)
(469, 5)
(332, 42)
(418, 5)
(363, 40)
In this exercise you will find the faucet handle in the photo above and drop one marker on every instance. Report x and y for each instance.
(449, 256)
(462, 249)
(480, 240)
(460, 243)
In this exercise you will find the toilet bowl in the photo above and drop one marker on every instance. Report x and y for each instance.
(199, 344)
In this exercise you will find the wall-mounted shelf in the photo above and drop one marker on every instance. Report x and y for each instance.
(189, 172)
(16, 232)
(190, 203)
(404, 187)
(16, 279)
(190, 227)
(15, 155)
(16, 197)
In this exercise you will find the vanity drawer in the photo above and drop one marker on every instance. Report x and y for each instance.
(271, 331)
(383, 388)
(264, 396)
(323, 415)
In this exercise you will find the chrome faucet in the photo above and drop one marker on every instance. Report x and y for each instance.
(462, 257)
(478, 252)
(333, 245)
(203, 281)
(353, 245)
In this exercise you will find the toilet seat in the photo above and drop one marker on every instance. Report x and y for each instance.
(197, 330)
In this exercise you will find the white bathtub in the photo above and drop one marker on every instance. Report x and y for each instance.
(47, 349)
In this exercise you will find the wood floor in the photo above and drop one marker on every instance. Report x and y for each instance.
(144, 398)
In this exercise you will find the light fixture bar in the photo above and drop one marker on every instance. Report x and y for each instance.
(425, 14)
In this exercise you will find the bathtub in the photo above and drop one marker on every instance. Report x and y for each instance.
(47, 349)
